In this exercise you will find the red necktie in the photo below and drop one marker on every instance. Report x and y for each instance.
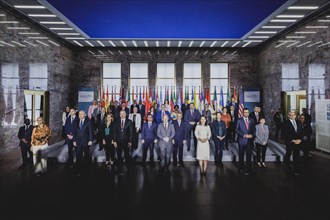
(246, 124)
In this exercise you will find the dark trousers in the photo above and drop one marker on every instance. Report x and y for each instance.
(305, 147)
(70, 150)
(218, 150)
(148, 144)
(99, 139)
(178, 147)
(25, 150)
(192, 129)
(227, 137)
(82, 155)
(245, 149)
(261, 149)
(231, 132)
(122, 145)
(109, 150)
(295, 149)
(135, 141)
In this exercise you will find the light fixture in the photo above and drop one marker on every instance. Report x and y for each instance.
(205, 52)
(234, 52)
(75, 38)
(52, 22)
(157, 43)
(68, 34)
(187, 52)
(315, 44)
(123, 43)
(324, 44)
(258, 37)
(30, 6)
(235, 44)
(120, 52)
(316, 26)
(78, 43)
(29, 43)
(38, 38)
(283, 20)
(215, 52)
(295, 37)
(203, 42)
(323, 20)
(303, 7)
(149, 53)
(2, 15)
(8, 22)
(134, 43)
(168, 52)
(100, 43)
(18, 28)
(177, 52)
(61, 29)
(28, 33)
(290, 16)
(328, 16)
(281, 44)
(2, 42)
(139, 52)
(214, 42)
(196, 52)
(265, 32)
(22, 45)
(286, 41)
(91, 52)
(101, 52)
(226, 42)
(224, 52)
(168, 43)
(290, 45)
(52, 42)
(112, 43)
(1, 45)
(275, 27)
(256, 41)
(179, 44)
(110, 52)
(300, 45)
(40, 42)
(145, 43)
(42, 15)
(247, 43)
(191, 43)
(305, 32)
(89, 43)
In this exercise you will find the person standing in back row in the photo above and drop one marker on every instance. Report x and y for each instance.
(192, 117)
(24, 135)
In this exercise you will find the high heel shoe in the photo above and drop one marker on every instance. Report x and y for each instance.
(259, 165)
(264, 165)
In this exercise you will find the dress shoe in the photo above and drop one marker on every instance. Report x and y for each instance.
(259, 164)
(264, 165)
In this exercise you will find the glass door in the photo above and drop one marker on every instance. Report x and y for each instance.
(36, 105)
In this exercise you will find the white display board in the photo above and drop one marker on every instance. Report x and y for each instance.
(322, 119)
(85, 96)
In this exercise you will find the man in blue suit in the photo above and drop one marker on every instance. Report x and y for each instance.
(180, 138)
(161, 113)
(245, 130)
(192, 117)
(148, 139)
(82, 139)
(219, 133)
(69, 127)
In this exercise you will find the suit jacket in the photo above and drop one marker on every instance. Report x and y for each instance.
(277, 119)
(137, 120)
(235, 118)
(108, 138)
(125, 134)
(241, 130)
(216, 125)
(261, 136)
(208, 116)
(161, 133)
(96, 112)
(119, 110)
(252, 115)
(159, 119)
(142, 111)
(85, 134)
(69, 127)
(181, 132)
(184, 108)
(25, 134)
(132, 107)
(190, 118)
(149, 134)
(306, 130)
(236, 106)
(289, 132)
(100, 121)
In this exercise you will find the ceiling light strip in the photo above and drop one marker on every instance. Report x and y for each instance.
(29, 43)
(215, 52)
(123, 43)
(273, 27)
(314, 44)
(2, 15)
(224, 52)
(205, 52)
(281, 44)
(110, 52)
(40, 42)
(303, 7)
(203, 42)
(317, 26)
(179, 44)
(305, 32)
(61, 29)
(100, 43)
(224, 44)
(300, 45)
(290, 16)
(145, 43)
(112, 43)
(68, 34)
(191, 43)
(157, 43)
(214, 42)
(290, 45)
(235, 44)
(89, 43)
(295, 37)
(247, 43)
(91, 52)
(283, 20)
(134, 43)
(52, 22)
(168, 43)
(52, 42)
(234, 52)
(2, 42)
(22, 45)
(40, 38)
(30, 6)
(9, 22)
(75, 38)
(324, 44)
(18, 28)
(42, 15)
(265, 32)
(259, 37)
(77, 43)
(323, 20)
(28, 33)
(101, 52)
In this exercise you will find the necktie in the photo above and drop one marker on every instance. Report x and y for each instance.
(166, 127)
(246, 123)
(192, 112)
(71, 119)
(149, 125)
(81, 123)
(257, 117)
(179, 122)
(294, 125)
(122, 124)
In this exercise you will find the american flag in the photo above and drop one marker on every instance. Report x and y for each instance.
(241, 104)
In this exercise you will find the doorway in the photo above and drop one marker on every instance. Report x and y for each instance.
(36, 104)
(294, 101)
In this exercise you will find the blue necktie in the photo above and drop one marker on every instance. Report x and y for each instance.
(80, 126)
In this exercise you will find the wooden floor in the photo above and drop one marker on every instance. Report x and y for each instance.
(270, 193)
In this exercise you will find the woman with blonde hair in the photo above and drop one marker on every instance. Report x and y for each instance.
(39, 144)
(203, 135)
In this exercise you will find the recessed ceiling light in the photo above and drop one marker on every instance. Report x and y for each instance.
(281, 44)
(78, 43)
(235, 44)
(101, 52)
(323, 20)
(290, 16)
(187, 52)
(22, 45)
(120, 52)
(100, 43)
(260, 37)
(315, 44)
(89, 43)
(256, 41)
(134, 43)
(75, 38)
(290, 45)
(305, 32)
(179, 44)
(203, 42)
(157, 43)
(40, 42)
(286, 41)
(2, 15)
(226, 42)
(196, 52)
(28, 33)
(18, 28)
(316, 27)
(30, 6)
(191, 43)
(168, 43)
(283, 20)
(29, 43)
(52, 22)
(91, 52)
(300, 45)
(112, 43)
(214, 42)
(2, 42)
(177, 52)
(68, 34)
(205, 52)
(62, 29)
(110, 52)
(265, 32)
(38, 37)
(275, 27)
(295, 37)
(149, 53)
(324, 44)
(130, 53)
(215, 52)
(42, 15)
(224, 52)
(246, 44)
(303, 7)
(145, 43)
(8, 22)
(123, 43)
(234, 52)
(53, 43)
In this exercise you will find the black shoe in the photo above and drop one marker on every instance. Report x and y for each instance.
(220, 164)
(181, 164)
(188, 149)
(227, 148)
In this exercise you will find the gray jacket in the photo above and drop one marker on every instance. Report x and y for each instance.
(161, 133)
(261, 137)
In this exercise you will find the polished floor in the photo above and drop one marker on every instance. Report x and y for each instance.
(270, 193)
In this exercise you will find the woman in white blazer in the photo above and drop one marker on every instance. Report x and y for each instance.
(135, 117)
(261, 140)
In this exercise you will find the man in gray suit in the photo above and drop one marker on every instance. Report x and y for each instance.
(165, 134)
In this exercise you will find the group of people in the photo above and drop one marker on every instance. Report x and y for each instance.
(118, 130)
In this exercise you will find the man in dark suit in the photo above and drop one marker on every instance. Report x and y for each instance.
(123, 107)
(292, 134)
(180, 138)
(142, 111)
(234, 117)
(306, 131)
(24, 135)
(278, 118)
(207, 113)
(69, 127)
(192, 117)
(308, 117)
(161, 113)
(184, 107)
(100, 120)
(123, 137)
(133, 105)
(256, 115)
(148, 139)
(233, 103)
(219, 133)
(82, 140)
(245, 130)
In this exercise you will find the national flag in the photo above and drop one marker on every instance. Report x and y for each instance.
(107, 99)
(168, 93)
(195, 100)
(147, 104)
(241, 104)
(143, 95)
(208, 96)
(221, 102)
(235, 94)
(103, 97)
(120, 95)
(157, 97)
(312, 106)
(215, 94)
(132, 93)
(161, 97)
(179, 102)
(112, 99)
(228, 96)
(140, 95)
(171, 99)
(137, 94)
(174, 96)
(128, 97)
